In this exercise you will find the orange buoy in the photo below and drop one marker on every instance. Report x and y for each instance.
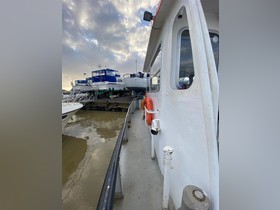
(143, 103)
(150, 107)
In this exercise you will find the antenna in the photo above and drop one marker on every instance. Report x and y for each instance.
(136, 65)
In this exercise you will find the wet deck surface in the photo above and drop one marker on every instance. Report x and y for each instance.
(141, 177)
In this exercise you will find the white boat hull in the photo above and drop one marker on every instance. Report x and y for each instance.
(136, 84)
(68, 110)
(82, 88)
(106, 86)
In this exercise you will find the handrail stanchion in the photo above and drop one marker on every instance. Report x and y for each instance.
(118, 191)
(125, 138)
(129, 116)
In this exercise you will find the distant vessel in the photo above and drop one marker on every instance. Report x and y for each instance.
(138, 82)
(181, 116)
(68, 110)
(77, 96)
(106, 80)
(82, 86)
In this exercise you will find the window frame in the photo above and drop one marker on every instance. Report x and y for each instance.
(178, 58)
(157, 72)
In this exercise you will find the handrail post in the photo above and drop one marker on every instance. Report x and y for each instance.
(118, 189)
(129, 116)
(139, 103)
(132, 107)
(125, 138)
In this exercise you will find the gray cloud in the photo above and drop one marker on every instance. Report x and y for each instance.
(105, 32)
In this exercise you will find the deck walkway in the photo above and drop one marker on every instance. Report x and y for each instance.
(140, 175)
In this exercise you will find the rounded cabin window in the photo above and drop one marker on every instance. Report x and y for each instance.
(186, 68)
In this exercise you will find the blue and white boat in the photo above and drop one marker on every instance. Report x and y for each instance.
(82, 86)
(106, 80)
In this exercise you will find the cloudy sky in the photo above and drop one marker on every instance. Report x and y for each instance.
(110, 33)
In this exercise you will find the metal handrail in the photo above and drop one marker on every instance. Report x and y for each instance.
(106, 197)
(150, 111)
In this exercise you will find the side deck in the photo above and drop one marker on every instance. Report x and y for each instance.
(141, 179)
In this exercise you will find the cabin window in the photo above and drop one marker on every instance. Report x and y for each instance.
(186, 69)
(98, 73)
(110, 73)
(155, 71)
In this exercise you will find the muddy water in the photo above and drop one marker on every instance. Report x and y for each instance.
(87, 144)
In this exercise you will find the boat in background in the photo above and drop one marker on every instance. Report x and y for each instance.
(138, 82)
(77, 96)
(106, 80)
(68, 110)
(82, 86)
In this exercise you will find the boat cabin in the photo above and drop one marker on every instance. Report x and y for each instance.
(182, 59)
(106, 75)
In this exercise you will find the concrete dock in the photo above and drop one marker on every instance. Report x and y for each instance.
(108, 104)
(141, 178)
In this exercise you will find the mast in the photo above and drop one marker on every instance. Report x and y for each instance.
(136, 65)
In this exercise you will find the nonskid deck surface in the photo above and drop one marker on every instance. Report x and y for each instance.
(140, 175)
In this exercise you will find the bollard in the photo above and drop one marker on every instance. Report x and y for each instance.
(194, 198)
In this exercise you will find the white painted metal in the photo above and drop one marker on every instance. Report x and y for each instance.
(188, 118)
(82, 88)
(107, 86)
(69, 109)
(167, 160)
(136, 83)
(152, 147)
(149, 112)
(155, 128)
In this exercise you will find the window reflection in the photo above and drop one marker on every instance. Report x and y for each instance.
(186, 68)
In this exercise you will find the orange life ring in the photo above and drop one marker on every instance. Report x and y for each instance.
(143, 103)
(150, 107)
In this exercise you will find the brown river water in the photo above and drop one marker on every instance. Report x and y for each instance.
(87, 145)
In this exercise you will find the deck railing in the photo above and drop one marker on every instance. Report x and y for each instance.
(78, 96)
(107, 194)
